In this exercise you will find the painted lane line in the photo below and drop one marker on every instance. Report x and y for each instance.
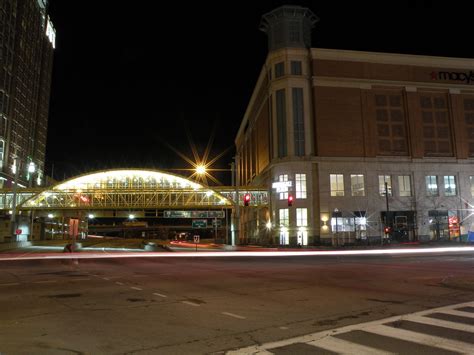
(345, 347)
(414, 337)
(159, 294)
(119, 283)
(105, 278)
(80, 279)
(10, 284)
(190, 303)
(454, 312)
(45, 281)
(234, 315)
(137, 288)
(442, 323)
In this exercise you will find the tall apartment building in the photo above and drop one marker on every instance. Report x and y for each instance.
(368, 144)
(27, 40)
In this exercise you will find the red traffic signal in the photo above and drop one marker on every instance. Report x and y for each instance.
(246, 199)
(387, 230)
(290, 200)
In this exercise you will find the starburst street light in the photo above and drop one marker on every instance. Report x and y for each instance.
(200, 169)
(201, 166)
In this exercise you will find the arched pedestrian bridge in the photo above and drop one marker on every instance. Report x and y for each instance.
(130, 189)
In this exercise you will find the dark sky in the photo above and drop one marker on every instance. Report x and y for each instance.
(129, 75)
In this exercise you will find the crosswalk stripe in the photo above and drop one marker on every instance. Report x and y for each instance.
(457, 313)
(419, 338)
(251, 350)
(345, 347)
(441, 323)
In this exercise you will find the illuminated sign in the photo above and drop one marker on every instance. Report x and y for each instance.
(282, 186)
(193, 214)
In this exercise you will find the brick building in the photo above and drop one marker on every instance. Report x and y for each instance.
(367, 144)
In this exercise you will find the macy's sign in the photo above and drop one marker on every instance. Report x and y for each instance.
(466, 77)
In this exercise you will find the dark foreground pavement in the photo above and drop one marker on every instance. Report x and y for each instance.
(210, 305)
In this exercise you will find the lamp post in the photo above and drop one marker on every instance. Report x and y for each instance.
(15, 171)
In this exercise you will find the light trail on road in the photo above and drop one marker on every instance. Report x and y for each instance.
(228, 254)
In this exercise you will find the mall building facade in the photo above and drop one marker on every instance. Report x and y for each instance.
(368, 144)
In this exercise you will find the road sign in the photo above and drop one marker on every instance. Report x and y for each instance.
(193, 214)
(199, 223)
(218, 221)
(196, 238)
(18, 231)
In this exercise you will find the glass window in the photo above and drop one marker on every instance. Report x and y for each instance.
(2, 150)
(298, 121)
(301, 217)
(284, 217)
(279, 69)
(404, 185)
(300, 180)
(450, 185)
(382, 180)
(337, 184)
(296, 67)
(281, 122)
(281, 178)
(357, 185)
(432, 185)
(471, 180)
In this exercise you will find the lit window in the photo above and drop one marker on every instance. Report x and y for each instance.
(450, 185)
(301, 217)
(357, 185)
(284, 217)
(382, 189)
(404, 185)
(300, 180)
(337, 184)
(432, 185)
(281, 178)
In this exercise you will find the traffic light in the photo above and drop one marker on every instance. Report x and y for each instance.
(246, 199)
(387, 230)
(290, 200)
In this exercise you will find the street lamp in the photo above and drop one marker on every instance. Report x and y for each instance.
(31, 171)
(200, 169)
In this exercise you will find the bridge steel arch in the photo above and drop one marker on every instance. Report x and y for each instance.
(126, 189)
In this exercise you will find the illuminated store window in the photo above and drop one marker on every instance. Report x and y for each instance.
(432, 185)
(450, 185)
(300, 181)
(404, 185)
(282, 178)
(357, 185)
(301, 217)
(337, 184)
(382, 180)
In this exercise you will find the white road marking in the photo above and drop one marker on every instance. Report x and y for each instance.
(345, 347)
(233, 315)
(80, 279)
(454, 312)
(159, 294)
(45, 281)
(326, 340)
(191, 303)
(442, 323)
(284, 328)
(10, 284)
(137, 288)
(429, 340)
(105, 278)
(119, 283)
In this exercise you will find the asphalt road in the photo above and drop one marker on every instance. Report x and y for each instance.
(211, 305)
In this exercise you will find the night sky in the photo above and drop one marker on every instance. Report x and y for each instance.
(131, 75)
